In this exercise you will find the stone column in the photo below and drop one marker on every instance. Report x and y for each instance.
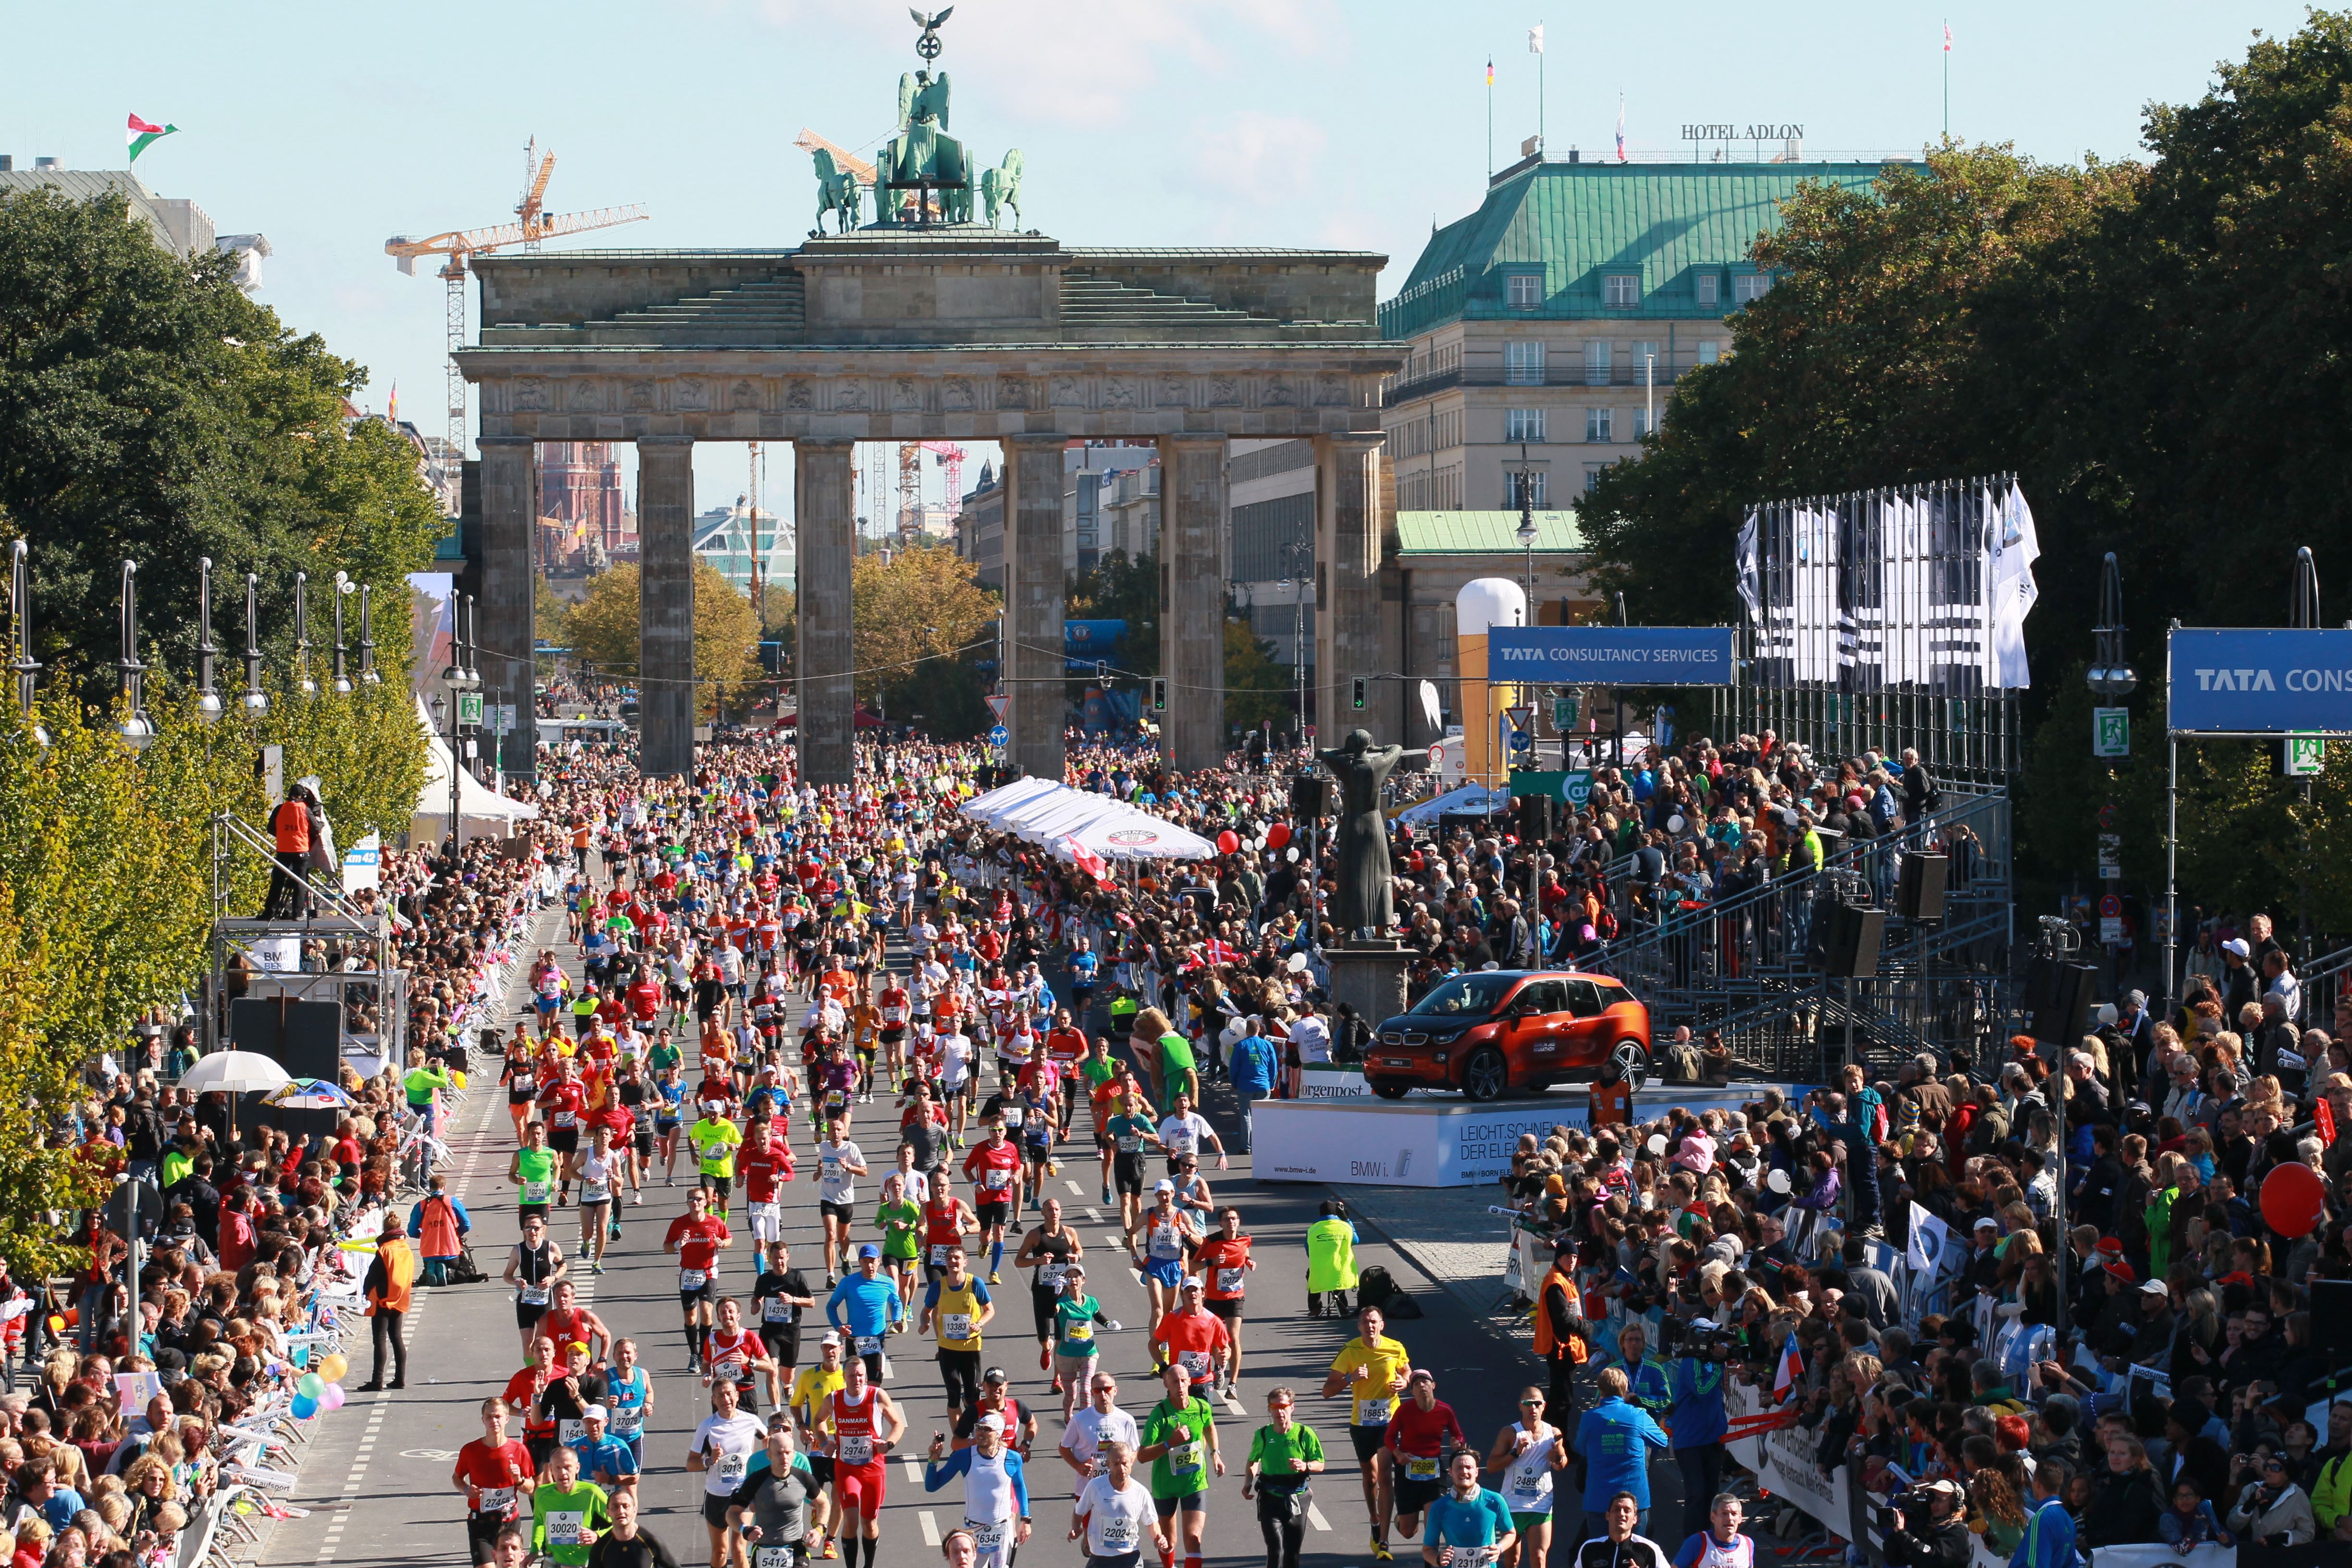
(1349, 521)
(1193, 600)
(505, 631)
(1032, 637)
(825, 544)
(667, 699)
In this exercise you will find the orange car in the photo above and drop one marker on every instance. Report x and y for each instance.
(1498, 1029)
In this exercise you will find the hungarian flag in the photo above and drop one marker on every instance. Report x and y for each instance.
(139, 136)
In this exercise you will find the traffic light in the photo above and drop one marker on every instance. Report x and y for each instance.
(1357, 691)
(1160, 694)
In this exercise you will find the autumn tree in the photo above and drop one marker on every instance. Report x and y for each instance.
(726, 636)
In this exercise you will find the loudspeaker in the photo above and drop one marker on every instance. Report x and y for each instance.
(1311, 795)
(2058, 999)
(1920, 895)
(1535, 817)
(2331, 1320)
(303, 1037)
(1851, 947)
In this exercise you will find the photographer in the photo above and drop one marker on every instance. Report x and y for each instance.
(1931, 1532)
(1695, 1417)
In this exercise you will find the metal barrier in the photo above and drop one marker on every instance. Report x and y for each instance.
(1743, 964)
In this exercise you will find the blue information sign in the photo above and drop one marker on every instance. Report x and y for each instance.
(1610, 656)
(2248, 682)
(999, 736)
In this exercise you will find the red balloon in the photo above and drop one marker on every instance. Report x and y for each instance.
(1280, 834)
(1228, 841)
(2294, 1199)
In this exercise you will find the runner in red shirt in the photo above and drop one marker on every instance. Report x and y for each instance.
(1066, 1048)
(737, 1354)
(568, 1323)
(644, 998)
(522, 1392)
(1223, 1260)
(561, 1105)
(493, 1472)
(697, 1237)
(947, 1220)
(763, 1160)
(993, 1167)
(1421, 1433)
(1192, 1337)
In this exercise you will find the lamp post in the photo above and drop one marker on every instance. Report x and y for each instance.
(2110, 677)
(138, 731)
(368, 677)
(302, 682)
(343, 585)
(256, 701)
(460, 677)
(25, 666)
(1297, 559)
(209, 707)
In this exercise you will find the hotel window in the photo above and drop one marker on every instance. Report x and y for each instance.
(1641, 423)
(1523, 290)
(1532, 480)
(1523, 362)
(1524, 424)
(1598, 424)
(1650, 364)
(1597, 352)
(1747, 287)
(1620, 290)
(1710, 289)
(1592, 476)
(1710, 351)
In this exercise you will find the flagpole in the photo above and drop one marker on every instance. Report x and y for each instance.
(1490, 118)
(1947, 81)
(1540, 142)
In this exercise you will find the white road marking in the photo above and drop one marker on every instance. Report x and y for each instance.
(1076, 1190)
(930, 1528)
(915, 1471)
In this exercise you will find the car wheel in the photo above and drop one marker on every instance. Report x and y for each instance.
(1485, 1075)
(1389, 1089)
(1632, 1063)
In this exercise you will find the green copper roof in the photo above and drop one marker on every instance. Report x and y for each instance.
(1665, 223)
(1484, 533)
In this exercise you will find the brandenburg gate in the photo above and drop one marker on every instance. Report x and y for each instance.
(926, 325)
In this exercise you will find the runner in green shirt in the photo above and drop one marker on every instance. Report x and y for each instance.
(532, 1171)
(901, 1224)
(1180, 1438)
(714, 1139)
(1179, 1070)
(1076, 1315)
(566, 1513)
(665, 1054)
(1283, 1457)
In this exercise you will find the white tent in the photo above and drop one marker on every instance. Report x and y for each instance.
(1055, 813)
(480, 810)
(992, 806)
(1132, 835)
(1470, 797)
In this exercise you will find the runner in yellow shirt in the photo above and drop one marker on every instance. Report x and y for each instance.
(1371, 1370)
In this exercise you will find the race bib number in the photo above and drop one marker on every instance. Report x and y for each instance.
(1082, 1332)
(1119, 1535)
(856, 1448)
(956, 1326)
(536, 1191)
(628, 1420)
(1013, 1115)
(1184, 1458)
(1473, 1556)
(729, 1368)
(1421, 1470)
(774, 1557)
(566, 1119)
(778, 1310)
(693, 1278)
(1130, 1142)
(869, 1344)
(730, 1469)
(1164, 1241)
(495, 1499)
(534, 1295)
(1051, 1274)
(566, 1526)
(835, 1101)
(594, 1192)
(1375, 1414)
(569, 1431)
(994, 1180)
(940, 1254)
(1229, 1281)
(988, 1537)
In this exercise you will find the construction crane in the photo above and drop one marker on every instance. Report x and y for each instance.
(532, 224)
(850, 164)
(950, 456)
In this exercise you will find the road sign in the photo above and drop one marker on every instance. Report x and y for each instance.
(1521, 741)
(1568, 711)
(999, 736)
(469, 708)
(2111, 919)
(997, 705)
(2111, 731)
(1521, 714)
(502, 718)
(1437, 756)
(2111, 857)
(2306, 755)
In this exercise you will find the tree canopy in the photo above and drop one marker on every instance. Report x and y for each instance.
(604, 630)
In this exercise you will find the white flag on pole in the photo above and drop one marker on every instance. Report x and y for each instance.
(1535, 39)
(2010, 591)
(1930, 1237)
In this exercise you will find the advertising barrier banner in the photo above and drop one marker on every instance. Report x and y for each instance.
(1610, 656)
(2260, 682)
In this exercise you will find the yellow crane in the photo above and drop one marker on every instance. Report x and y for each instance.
(532, 224)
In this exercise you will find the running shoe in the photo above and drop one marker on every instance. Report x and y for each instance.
(996, 1278)
(1381, 1552)
(831, 1279)
(639, 1199)
(596, 1269)
(1045, 1360)
(1057, 1384)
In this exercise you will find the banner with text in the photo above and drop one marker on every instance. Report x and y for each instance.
(1610, 656)
(2260, 682)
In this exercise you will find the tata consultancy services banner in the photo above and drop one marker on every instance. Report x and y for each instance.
(2261, 682)
(1610, 656)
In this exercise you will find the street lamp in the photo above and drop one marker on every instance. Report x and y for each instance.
(256, 701)
(302, 682)
(2111, 675)
(209, 707)
(1297, 558)
(343, 585)
(137, 729)
(368, 677)
(27, 669)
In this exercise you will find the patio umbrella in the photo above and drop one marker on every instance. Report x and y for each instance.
(311, 1094)
(234, 1072)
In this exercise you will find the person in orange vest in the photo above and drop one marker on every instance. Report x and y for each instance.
(291, 829)
(439, 1225)
(1613, 1097)
(386, 1288)
(1563, 1338)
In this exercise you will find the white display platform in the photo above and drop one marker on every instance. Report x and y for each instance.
(1439, 1140)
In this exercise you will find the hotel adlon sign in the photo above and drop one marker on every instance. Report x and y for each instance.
(1729, 130)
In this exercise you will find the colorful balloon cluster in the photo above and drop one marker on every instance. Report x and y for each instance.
(320, 1390)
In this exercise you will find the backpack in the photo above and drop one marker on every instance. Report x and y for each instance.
(1375, 1287)
(1682, 1063)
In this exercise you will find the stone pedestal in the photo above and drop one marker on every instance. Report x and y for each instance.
(1032, 661)
(666, 695)
(1369, 977)
(505, 631)
(1193, 600)
(1350, 518)
(824, 546)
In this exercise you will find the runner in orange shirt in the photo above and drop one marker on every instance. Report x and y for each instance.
(1222, 1261)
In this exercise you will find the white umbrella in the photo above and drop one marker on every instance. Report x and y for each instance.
(234, 1072)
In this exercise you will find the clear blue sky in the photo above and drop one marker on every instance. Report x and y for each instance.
(1178, 121)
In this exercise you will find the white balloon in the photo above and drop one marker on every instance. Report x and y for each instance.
(1674, 824)
(1657, 1144)
(1778, 1181)
(1291, 854)
(1297, 963)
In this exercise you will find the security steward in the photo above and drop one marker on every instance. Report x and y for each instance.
(1563, 1338)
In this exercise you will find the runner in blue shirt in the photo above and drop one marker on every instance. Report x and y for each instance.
(864, 1306)
(1469, 1524)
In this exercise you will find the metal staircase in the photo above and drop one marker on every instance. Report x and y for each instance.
(1741, 965)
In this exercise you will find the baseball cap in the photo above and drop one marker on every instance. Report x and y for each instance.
(992, 1422)
(2154, 1288)
(868, 1250)
(994, 1374)
(1948, 1489)
(1165, 1185)
(831, 1339)
(1986, 1221)
(2237, 944)
(594, 1412)
(1192, 1282)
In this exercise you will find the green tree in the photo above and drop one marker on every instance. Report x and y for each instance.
(726, 637)
(924, 607)
(1256, 686)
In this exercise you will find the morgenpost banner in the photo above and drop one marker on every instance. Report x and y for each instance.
(1610, 656)
(2253, 683)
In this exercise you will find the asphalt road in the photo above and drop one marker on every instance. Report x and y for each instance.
(376, 1477)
